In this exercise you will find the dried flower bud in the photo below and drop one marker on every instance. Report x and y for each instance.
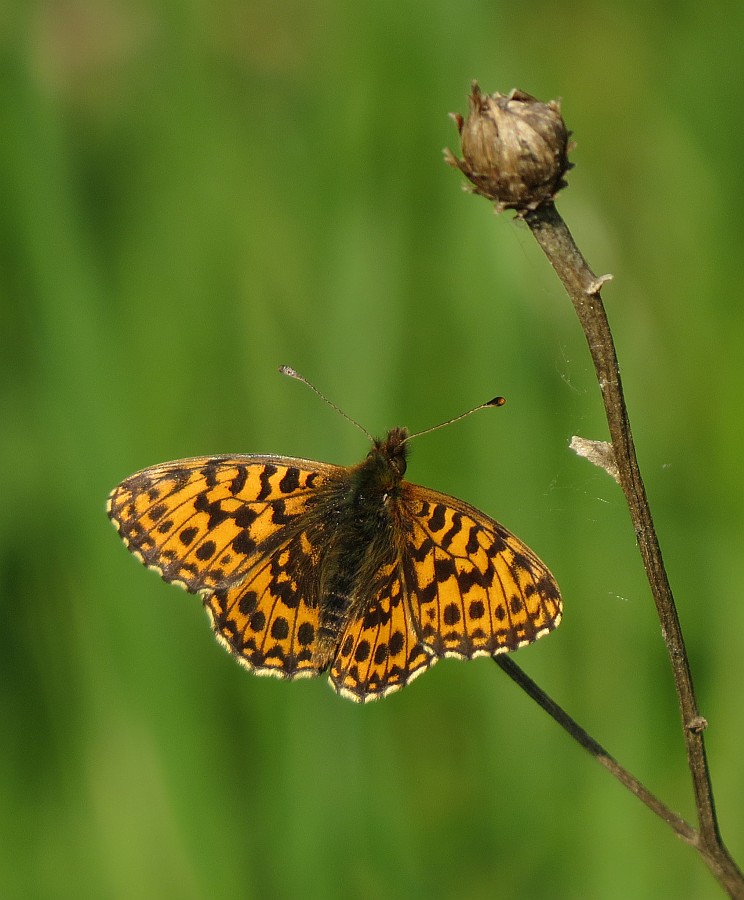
(514, 147)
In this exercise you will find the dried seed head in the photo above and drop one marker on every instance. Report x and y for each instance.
(515, 148)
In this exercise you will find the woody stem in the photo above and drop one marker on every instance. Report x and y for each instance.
(583, 287)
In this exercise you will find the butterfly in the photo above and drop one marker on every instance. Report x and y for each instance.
(305, 566)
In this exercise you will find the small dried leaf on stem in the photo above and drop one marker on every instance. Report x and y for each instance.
(598, 452)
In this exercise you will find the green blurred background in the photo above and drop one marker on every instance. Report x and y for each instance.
(193, 193)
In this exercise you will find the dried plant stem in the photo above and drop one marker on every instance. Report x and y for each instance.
(583, 288)
(682, 828)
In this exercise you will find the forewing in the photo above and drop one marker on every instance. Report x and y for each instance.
(247, 532)
(380, 651)
(203, 523)
(475, 589)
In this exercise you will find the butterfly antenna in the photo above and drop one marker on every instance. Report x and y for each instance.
(497, 401)
(293, 373)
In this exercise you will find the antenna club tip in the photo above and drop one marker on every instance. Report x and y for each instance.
(288, 370)
(497, 401)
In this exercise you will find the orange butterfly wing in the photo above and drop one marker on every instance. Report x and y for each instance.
(380, 651)
(463, 587)
(474, 588)
(235, 529)
(270, 620)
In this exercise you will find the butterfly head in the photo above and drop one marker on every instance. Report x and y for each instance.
(390, 453)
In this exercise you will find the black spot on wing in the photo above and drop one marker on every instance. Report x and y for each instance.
(238, 483)
(444, 568)
(437, 518)
(244, 543)
(187, 535)
(278, 513)
(209, 471)
(265, 479)
(290, 480)
(214, 510)
(472, 544)
(206, 550)
(452, 532)
(245, 517)
(420, 553)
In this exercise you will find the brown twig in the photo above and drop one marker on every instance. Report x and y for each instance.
(583, 287)
(628, 780)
